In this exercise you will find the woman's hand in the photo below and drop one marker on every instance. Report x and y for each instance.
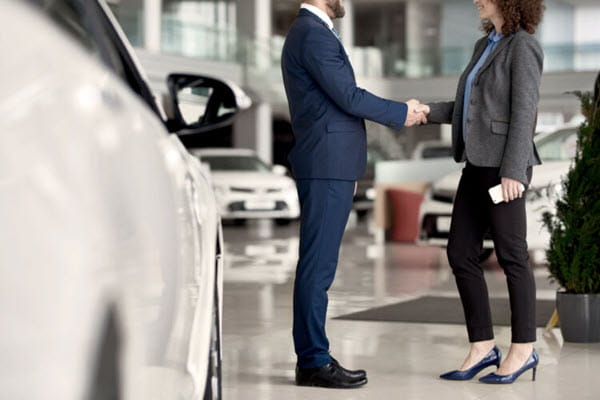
(415, 115)
(423, 108)
(511, 189)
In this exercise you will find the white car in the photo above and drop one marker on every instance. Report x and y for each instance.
(246, 187)
(110, 243)
(429, 149)
(556, 149)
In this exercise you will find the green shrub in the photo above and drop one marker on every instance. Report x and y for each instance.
(574, 251)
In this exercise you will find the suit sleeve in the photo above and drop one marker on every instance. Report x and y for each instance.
(441, 113)
(325, 64)
(526, 71)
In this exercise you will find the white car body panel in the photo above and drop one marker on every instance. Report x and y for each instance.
(103, 211)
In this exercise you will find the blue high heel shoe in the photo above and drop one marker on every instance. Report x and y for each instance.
(531, 363)
(492, 358)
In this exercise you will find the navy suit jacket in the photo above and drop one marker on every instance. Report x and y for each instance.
(326, 107)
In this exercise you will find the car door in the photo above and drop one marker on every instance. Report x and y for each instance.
(200, 292)
(160, 305)
(92, 220)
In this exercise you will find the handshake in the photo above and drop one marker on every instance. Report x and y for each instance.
(417, 113)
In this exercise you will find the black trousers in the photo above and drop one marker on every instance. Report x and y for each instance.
(473, 215)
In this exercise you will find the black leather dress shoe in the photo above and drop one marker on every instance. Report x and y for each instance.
(329, 376)
(353, 374)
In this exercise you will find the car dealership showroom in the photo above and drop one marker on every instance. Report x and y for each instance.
(287, 199)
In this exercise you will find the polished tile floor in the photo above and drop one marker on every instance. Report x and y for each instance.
(403, 360)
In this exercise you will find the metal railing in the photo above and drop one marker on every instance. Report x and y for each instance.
(194, 40)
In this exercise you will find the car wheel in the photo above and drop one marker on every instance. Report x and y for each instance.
(282, 221)
(485, 254)
(213, 386)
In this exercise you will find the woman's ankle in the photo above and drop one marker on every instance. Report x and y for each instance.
(521, 349)
(484, 346)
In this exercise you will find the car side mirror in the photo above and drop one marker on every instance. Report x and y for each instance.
(279, 170)
(198, 104)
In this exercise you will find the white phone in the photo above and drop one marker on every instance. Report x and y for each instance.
(496, 193)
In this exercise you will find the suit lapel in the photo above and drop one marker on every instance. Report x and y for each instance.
(499, 47)
(476, 55)
(305, 13)
(480, 48)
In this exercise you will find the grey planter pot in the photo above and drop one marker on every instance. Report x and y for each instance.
(579, 316)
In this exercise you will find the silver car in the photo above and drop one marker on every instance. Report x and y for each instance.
(110, 243)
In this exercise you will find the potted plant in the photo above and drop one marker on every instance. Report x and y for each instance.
(574, 252)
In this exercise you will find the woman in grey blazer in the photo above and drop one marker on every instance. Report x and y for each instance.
(493, 121)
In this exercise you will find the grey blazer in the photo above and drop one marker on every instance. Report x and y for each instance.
(503, 107)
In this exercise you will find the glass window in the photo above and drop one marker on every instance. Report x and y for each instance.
(69, 16)
(81, 19)
(87, 23)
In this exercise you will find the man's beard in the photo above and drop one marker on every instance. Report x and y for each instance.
(337, 8)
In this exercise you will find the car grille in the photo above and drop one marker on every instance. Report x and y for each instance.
(253, 190)
(240, 206)
(444, 196)
(242, 190)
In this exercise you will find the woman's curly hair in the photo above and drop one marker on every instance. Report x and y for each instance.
(518, 14)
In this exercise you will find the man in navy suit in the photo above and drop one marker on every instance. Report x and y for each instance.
(330, 153)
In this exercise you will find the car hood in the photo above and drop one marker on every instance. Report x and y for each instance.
(250, 179)
(549, 173)
(448, 183)
(543, 175)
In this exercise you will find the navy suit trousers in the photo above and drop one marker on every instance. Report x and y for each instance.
(326, 205)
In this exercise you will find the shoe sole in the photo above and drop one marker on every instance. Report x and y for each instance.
(353, 385)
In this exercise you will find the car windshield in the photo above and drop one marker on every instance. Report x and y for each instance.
(437, 152)
(558, 146)
(235, 163)
(375, 155)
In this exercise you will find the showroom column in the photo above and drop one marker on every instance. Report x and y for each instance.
(346, 26)
(152, 25)
(254, 24)
(254, 127)
(422, 38)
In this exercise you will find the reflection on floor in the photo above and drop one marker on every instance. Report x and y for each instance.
(403, 360)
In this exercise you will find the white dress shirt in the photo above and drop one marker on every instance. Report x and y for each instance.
(319, 13)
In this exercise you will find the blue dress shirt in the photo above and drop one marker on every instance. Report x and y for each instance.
(493, 39)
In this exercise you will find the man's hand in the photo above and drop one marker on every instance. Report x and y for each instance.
(511, 189)
(414, 115)
(423, 108)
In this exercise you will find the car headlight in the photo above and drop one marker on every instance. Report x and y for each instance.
(289, 185)
(371, 193)
(221, 190)
(551, 192)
